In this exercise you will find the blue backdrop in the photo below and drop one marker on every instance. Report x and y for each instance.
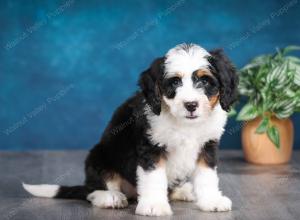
(66, 65)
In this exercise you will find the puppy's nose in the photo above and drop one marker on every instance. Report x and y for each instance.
(191, 106)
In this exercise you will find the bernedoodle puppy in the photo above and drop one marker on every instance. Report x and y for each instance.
(160, 145)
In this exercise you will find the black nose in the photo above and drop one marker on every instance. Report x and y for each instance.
(191, 106)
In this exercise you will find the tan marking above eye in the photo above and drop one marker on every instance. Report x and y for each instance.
(203, 72)
(180, 75)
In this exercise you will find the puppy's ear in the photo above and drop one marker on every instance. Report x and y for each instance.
(227, 77)
(149, 83)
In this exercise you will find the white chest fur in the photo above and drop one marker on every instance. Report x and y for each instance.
(183, 140)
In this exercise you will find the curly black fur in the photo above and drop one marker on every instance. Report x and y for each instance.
(149, 83)
(224, 70)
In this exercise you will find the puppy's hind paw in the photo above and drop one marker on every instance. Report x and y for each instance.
(108, 199)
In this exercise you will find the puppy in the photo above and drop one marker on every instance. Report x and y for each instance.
(160, 145)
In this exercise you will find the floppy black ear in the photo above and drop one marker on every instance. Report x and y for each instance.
(149, 83)
(227, 77)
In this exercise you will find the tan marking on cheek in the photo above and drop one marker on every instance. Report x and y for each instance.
(213, 100)
(164, 106)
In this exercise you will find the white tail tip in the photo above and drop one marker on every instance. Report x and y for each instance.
(43, 190)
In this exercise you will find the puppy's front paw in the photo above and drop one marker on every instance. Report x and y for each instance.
(214, 203)
(151, 208)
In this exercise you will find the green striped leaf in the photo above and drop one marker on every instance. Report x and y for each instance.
(290, 48)
(273, 134)
(297, 79)
(263, 126)
(248, 112)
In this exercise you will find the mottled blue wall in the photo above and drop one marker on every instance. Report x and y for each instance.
(66, 65)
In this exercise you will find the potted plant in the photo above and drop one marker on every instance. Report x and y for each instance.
(271, 85)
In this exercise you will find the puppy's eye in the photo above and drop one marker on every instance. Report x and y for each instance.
(204, 81)
(175, 81)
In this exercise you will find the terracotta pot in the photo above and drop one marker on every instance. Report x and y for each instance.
(259, 149)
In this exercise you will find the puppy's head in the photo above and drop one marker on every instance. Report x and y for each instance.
(189, 82)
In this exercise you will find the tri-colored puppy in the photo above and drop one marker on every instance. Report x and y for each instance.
(161, 143)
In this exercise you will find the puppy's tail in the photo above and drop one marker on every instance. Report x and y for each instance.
(56, 191)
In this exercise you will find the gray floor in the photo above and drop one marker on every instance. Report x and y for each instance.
(257, 192)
